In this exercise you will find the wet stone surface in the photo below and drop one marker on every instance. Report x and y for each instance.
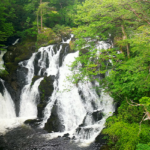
(25, 138)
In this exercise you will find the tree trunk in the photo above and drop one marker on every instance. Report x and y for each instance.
(124, 38)
(41, 16)
(38, 22)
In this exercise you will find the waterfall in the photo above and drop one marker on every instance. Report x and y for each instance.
(7, 110)
(81, 111)
(29, 99)
(78, 109)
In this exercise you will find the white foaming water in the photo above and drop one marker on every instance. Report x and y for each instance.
(53, 62)
(29, 100)
(76, 104)
(102, 45)
(68, 41)
(28, 97)
(7, 109)
(48, 108)
(1, 59)
(72, 109)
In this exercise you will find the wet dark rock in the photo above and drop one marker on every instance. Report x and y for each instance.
(1, 88)
(94, 105)
(21, 75)
(63, 53)
(34, 79)
(25, 138)
(66, 36)
(73, 138)
(36, 67)
(46, 89)
(81, 95)
(15, 95)
(83, 122)
(97, 115)
(15, 54)
(16, 79)
(102, 140)
(54, 123)
(56, 47)
(34, 123)
(43, 72)
(66, 136)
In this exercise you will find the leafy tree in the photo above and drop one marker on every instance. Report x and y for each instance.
(6, 27)
(123, 129)
(129, 74)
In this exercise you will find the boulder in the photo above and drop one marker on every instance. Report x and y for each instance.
(46, 89)
(54, 123)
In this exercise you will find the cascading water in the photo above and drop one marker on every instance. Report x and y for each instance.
(29, 99)
(7, 110)
(80, 111)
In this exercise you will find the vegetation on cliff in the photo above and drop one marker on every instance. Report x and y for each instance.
(124, 23)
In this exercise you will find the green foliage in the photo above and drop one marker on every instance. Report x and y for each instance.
(30, 32)
(46, 36)
(129, 67)
(123, 129)
(145, 101)
(6, 28)
(61, 29)
(141, 146)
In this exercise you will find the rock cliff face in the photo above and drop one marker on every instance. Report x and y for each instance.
(53, 123)
(38, 81)
(15, 80)
(16, 53)
(46, 88)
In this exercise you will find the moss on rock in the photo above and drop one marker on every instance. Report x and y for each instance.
(46, 89)
(34, 79)
(46, 37)
(15, 54)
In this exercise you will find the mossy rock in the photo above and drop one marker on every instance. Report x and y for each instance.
(46, 86)
(46, 89)
(15, 54)
(54, 123)
(62, 31)
(34, 79)
(72, 46)
(11, 66)
(46, 37)
(33, 122)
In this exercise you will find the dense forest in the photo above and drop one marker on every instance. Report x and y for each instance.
(125, 66)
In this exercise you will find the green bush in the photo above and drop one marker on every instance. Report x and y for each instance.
(124, 130)
(141, 146)
(61, 29)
